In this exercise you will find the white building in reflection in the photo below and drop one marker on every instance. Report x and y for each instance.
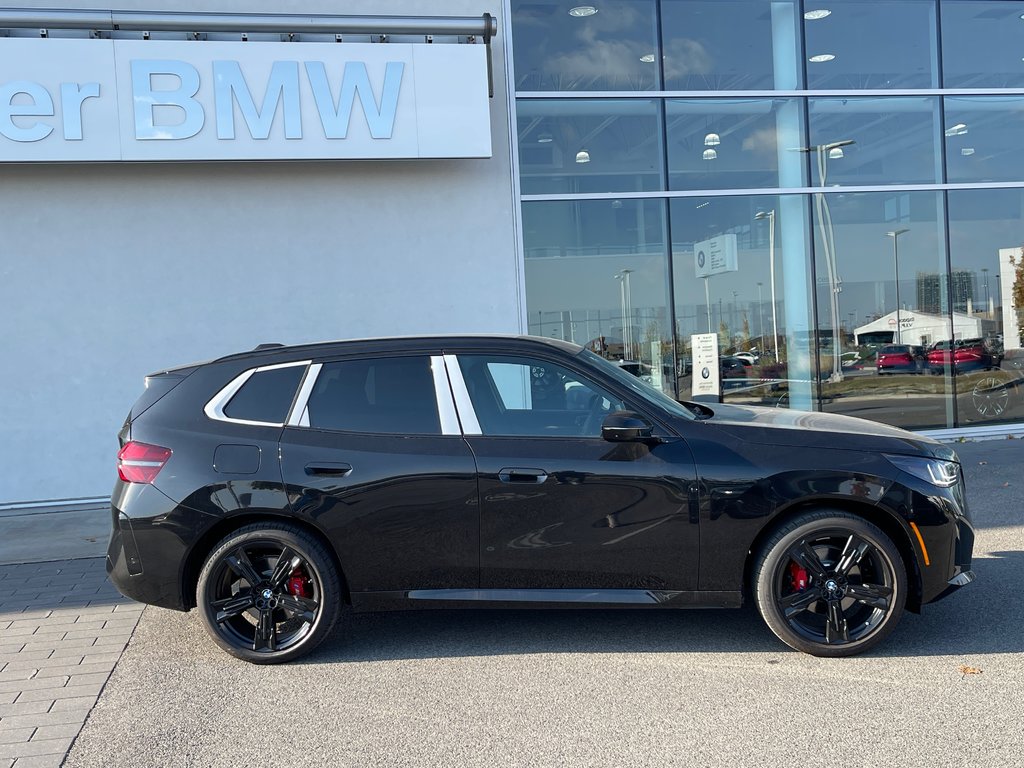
(918, 328)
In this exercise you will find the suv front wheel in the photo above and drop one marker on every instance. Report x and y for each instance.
(829, 583)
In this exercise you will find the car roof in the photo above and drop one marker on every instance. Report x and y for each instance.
(401, 343)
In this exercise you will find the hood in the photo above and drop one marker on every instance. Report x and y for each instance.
(807, 429)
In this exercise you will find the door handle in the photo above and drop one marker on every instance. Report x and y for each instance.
(329, 468)
(520, 475)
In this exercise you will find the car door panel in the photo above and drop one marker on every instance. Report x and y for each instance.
(605, 516)
(562, 507)
(379, 469)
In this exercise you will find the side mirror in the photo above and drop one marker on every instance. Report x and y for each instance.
(626, 427)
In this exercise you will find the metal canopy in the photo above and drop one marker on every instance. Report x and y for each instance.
(484, 26)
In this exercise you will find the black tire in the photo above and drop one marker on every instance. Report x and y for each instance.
(829, 583)
(262, 608)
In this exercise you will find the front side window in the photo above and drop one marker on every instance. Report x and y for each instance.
(377, 395)
(515, 396)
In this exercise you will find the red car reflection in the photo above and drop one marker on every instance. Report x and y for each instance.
(962, 355)
(899, 357)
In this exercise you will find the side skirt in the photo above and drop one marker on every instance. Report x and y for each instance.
(419, 599)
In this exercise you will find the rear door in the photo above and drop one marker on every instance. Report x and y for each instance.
(375, 457)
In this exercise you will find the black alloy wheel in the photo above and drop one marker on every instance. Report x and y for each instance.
(268, 593)
(829, 583)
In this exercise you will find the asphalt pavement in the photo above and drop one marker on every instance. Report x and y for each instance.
(596, 688)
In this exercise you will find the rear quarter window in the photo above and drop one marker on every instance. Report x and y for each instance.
(266, 395)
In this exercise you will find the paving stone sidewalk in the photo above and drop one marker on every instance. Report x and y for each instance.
(63, 627)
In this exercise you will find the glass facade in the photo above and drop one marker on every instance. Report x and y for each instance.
(855, 161)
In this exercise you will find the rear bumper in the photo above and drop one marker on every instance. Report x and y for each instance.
(126, 572)
(149, 544)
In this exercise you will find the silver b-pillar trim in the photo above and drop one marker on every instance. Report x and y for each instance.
(445, 403)
(299, 417)
(470, 425)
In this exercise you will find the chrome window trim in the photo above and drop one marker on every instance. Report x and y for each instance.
(467, 414)
(214, 408)
(299, 415)
(445, 401)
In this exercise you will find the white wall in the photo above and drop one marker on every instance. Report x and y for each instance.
(108, 272)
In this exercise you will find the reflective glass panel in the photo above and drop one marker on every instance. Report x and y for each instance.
(734, 143)
(986, 231)
(726, 45)
(983, 137)
(870, 44)
(883, 299)
(597, 275)
(981, 44)
(533, 397)
(756, 298)
(579, 145)
(865, 141)
(608, 46)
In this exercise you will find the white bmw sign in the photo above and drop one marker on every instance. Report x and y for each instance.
(106, 100)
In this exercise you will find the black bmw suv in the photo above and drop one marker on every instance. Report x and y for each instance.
(273, 488)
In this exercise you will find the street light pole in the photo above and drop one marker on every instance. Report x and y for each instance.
(626, 301)
(895, 235)
(760, 318)
(707, 298)
(770, 215)
(825, 152)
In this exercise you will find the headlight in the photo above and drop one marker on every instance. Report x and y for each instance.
(935, 471)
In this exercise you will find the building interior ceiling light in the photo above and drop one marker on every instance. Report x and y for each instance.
(648, 58)
(817, 13)
(820, 58)
(710, 154)
(583, 156)
(712, 140)
(957, 130)
(581, 11)
(966, 151)
(545, 138)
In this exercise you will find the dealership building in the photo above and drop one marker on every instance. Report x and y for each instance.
(800, 183)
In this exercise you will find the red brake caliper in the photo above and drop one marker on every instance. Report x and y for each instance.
(299, 584)
(797, 576)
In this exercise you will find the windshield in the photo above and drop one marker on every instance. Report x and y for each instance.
(637, 386)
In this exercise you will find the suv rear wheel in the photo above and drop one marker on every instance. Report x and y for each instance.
(829, 583)
(268, 593)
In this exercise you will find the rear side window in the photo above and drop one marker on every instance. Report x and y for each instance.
(266, 395)
(390, 395)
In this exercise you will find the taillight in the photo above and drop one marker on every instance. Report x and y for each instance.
(141, 462)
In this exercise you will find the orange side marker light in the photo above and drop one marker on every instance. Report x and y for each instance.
(920, 541)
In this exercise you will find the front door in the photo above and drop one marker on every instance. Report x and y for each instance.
(561, 508)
